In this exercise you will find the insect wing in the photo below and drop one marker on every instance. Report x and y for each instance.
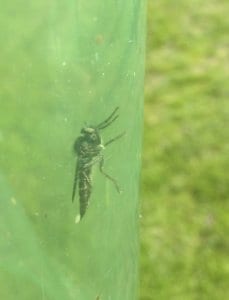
(75, 181)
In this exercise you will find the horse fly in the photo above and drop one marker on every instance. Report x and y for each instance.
(88, 148)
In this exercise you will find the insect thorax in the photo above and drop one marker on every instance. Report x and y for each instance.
(88, 144)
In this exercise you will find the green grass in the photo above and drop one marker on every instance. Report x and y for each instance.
(184, 225)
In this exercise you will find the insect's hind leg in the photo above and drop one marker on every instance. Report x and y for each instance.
(101, 163)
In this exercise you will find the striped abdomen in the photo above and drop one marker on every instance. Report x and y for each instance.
(84, 189)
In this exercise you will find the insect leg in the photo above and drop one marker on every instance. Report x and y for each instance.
(114, 139)
(101, 163)
(92, 162)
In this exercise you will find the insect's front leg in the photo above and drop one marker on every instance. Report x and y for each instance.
(93, 161)
(101, 163)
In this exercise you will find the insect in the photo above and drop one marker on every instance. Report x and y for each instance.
(88, 148)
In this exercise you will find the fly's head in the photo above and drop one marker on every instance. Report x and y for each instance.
(91, 135)
(89, 143)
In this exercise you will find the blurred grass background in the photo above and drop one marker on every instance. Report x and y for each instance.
(184, 189)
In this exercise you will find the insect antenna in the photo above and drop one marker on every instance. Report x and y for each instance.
(109, 120)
